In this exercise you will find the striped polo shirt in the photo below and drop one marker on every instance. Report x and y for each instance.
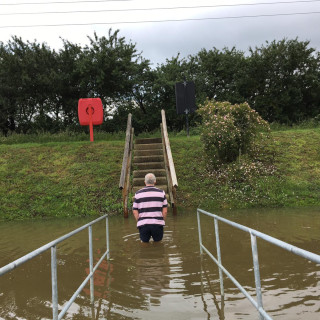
(149, 202)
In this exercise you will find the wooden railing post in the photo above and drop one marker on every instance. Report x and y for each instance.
(165, 157)
(168, 149)
(124, 183)
(126, 153)
(127, 183)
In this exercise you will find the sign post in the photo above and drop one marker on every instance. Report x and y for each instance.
(90, 113)
(185, 99)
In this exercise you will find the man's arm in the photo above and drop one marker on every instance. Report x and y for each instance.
(164, 213)
(136, 214)
(135, 209)
(164, 206)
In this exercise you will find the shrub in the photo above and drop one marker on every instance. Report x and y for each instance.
(230, 130)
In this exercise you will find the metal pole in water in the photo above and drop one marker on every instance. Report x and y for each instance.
(199, 229)
(216, 228)
(107, 232)
(91, 265)
(256, 272)
(54, 283)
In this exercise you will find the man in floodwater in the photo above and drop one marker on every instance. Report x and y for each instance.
(150, 210)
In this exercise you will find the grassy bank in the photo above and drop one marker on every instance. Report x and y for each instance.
(64, 136)
(295, 178)
(79, 178)
(59, 179)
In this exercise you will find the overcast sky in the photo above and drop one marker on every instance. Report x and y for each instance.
(206, 24)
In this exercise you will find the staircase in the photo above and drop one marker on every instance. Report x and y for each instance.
(151, 155)
(149, 158)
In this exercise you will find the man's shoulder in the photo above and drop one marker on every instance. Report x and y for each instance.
(149, 189)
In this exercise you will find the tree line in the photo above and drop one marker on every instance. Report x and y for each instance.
(40, 87)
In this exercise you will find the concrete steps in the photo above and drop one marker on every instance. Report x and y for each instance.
(148, 141)
(142, 173)
(148, 158)
(147, 152)
(148, 146)
(148, 166)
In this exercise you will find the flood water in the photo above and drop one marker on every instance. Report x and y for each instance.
(167, 280)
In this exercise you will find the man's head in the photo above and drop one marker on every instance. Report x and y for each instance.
(150, 179)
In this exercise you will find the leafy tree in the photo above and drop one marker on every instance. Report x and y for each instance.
(40, 87)
(27, 73)
(142, 82)
(163, 92)
(107, 66)
(68, 89)
(283, 80)
(218, 74)
(7, 110)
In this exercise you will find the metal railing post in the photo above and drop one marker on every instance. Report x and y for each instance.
(263, 315)
(54, 283)
(54, 280)
(199, 230)
(216, 228)
(256, 272)
(107, 232)
(91, 265)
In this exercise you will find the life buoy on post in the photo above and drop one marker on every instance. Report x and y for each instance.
(90, 113)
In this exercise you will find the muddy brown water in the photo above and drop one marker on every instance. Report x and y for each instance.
(168, 280)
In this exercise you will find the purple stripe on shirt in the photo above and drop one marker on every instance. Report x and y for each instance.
(150, 221)
(153, 199)
(150, 214)
(150, 194)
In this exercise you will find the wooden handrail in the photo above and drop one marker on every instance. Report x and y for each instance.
(126, 153)
(168, 149)
(126, 189)
(165, 156)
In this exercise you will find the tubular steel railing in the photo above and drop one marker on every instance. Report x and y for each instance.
(54, 281)
(253, 234)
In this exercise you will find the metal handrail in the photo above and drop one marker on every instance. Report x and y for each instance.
(253, 234)
(54, 282)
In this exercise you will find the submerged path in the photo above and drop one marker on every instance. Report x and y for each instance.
(166, 281)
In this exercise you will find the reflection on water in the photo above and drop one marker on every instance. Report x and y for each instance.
(168, 279)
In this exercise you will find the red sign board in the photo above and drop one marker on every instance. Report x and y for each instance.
(90, 104)
(90, 113)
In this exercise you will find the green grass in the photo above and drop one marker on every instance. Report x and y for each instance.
(64, 136)
(294, 182)
(59, 179)
(78, 178)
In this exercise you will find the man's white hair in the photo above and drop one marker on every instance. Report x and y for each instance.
(150, 178)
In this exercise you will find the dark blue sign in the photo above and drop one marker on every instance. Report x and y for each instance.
(185, 97)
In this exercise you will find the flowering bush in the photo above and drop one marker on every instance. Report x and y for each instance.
(230, 130)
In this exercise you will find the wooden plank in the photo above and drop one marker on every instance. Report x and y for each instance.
(126, 209)
(168, 148)
(172, 199)
(125, 154)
